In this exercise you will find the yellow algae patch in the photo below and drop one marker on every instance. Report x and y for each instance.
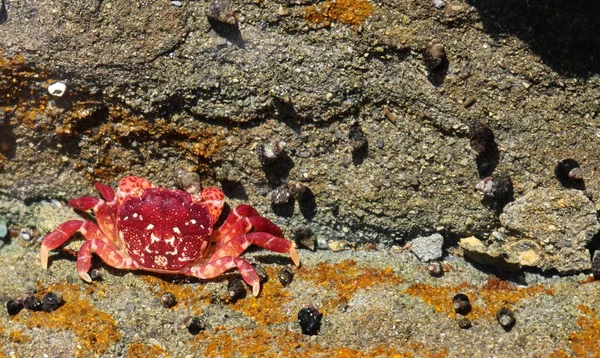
(146, 350)
(186, 295)
(339, 281)
(96, 330)
(495, 295)
(345, 278)
(17, 336)
(268, 307)
(586, 343)
(348, 12)
(280, 342)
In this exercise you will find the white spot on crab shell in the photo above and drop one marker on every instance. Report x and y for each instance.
(193, 221)
(135, 215)
(160, 261)
(176, 230)
(126, 218)
(174, 252)
(170, 241)
(154, 238)
(149, 227)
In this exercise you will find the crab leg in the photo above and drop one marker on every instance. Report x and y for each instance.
(63, 232)
(241, 211)
(107, 253)
(239, 243)
(222, 264)
(244, 225)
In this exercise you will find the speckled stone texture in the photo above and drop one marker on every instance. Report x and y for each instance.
(546, 228)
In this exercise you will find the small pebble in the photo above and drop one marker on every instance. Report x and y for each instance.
(95, 275)
(435, 269)
(481, 137)
(356, 137)
(270, 151)
(434, 55)
(461, 304)
(569, 174)
(32, 303)
(304, 237)
(236, 289)
(14, 306)
(336, 245)
(194, 325)
(506, 318)
(285, 275)
(189, 181)
(281, 195)
(299, 191)
(168, 300)
(26, 234)
(310, 320)
(221, 11)
(51, 301)
(57, 89)
(464, 323)
(3, 229)
(498, 186)
(176, 3)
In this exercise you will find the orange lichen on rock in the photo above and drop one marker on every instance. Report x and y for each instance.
(280, 342)
(486, 300)
(268, 308)
(586, 342)
(349, 12)
(17, 336)
(139, 349)
(22, 89)
(345, 278)
(185, 295)
(96, 330)
(340, 281)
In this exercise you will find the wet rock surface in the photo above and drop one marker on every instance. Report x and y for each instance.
(155, 87)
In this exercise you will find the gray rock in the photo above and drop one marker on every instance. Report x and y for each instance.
(3, 228)
(545, 228)
(428, 248)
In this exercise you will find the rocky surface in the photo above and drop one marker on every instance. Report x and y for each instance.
(428, 248)
(548, 229)
(376, 119)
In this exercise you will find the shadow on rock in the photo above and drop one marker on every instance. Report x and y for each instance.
(3, 12)
(563, 33)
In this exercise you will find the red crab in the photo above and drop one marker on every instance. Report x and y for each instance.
(144, 227)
